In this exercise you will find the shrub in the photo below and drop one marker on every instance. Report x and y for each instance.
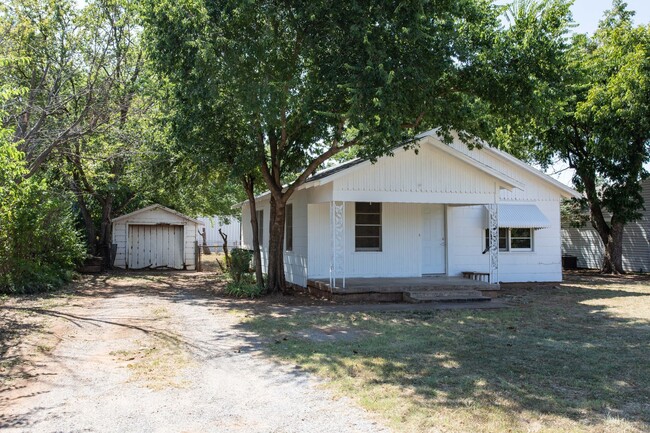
(240, 261)
(39, 245)
(243, 289)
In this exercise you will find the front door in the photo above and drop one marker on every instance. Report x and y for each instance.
(433, 239)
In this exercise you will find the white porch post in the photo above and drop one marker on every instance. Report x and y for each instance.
(337, 229)
(493, 228)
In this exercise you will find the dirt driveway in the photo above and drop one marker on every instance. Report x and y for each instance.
(152, 353)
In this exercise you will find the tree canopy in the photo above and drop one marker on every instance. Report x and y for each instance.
(83, 110)
(298, 82)
(595, 116)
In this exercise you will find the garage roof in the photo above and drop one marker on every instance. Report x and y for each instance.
(154, 207)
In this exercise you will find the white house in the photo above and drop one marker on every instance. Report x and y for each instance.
(155, 237)
(419, 214)
(231, 228)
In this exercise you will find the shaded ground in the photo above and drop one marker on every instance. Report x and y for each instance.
(167, 352)
(569, 357)
(147, 353)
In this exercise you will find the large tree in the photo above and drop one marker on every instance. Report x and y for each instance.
(88, 118)
(310, 79)
(595, 116)
(208, 155)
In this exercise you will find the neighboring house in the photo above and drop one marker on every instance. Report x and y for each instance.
(585, 243)
(230, 227)
(429, 213)
(155, 237)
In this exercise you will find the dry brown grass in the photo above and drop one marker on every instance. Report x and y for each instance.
(157, 360)
(570, 357)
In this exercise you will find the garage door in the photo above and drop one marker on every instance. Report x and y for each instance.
(159, 246)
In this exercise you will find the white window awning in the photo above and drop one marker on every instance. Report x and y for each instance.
(522, 216)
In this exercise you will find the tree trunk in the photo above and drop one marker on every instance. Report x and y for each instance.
(89, 227)
(206, 248)
(105, 238)
(89, 224)
(225, 248)
(613, 257)
(276, 280)
(249, 187)
(610, 234)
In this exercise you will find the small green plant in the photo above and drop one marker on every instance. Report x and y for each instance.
(240, 263)
(243, 289)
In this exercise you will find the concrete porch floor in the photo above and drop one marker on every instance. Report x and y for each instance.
(416, 289)
(402, 284)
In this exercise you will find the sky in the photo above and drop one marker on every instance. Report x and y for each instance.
(587, 14)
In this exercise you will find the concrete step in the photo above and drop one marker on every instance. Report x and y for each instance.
(444, 296)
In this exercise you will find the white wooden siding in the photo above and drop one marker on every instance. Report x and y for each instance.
(295, 261)
(212, 225)
(431, 176)
(585, 244)
(155, 246)
(466, 243)
(119, 238)
(403, 184)
(435, 176)
(401, 243)
(153, 217)
(247, 233)
(534, 189)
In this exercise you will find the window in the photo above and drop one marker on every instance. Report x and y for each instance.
(503, 239)
(367, 227)
(288, 220)
(521, 239)
(260, 227)
(512, 239)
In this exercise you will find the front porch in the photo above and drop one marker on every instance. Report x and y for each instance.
(404, 289)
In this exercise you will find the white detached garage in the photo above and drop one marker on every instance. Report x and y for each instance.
(155, 237)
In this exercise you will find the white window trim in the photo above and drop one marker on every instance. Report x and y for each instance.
(287, 228)
(381, 231)
(531, 231)
(509, 248)
(260, 227)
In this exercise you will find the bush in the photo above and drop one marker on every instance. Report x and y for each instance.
(39, 245)
(240, 263)
(243, 289)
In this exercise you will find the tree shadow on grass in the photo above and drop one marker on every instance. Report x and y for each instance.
(551, 355)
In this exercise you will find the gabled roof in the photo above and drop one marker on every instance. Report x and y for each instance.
(543, 176)
(432, 138)
(332, 173)
(154, 207)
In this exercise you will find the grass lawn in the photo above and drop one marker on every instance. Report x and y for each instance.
(574, 357)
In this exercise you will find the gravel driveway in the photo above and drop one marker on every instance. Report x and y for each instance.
(142, 353)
